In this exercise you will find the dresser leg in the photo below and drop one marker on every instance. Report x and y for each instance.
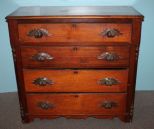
(26, 119)
(126, 118)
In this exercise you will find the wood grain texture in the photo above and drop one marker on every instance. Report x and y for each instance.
(76, 80)
(137, 25)
(75, 57)
(79, 32)
(12, 24)
(35, 12)
(73, 37)
(76, 104)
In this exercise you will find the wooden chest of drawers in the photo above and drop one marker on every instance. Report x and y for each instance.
(75, 62)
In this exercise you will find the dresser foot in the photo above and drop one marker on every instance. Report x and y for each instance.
(126, 118)
(27, 120)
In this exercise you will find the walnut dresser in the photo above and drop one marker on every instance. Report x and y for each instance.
(75, 62)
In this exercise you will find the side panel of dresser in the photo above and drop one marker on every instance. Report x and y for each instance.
(134, 52)
(13, 32)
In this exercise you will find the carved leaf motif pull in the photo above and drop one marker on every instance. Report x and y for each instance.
(108, 56)
(45, 105)
(38, 33)
(111, 33)
(42, 57)
(109, 104)
(108, 81)
(43, 81)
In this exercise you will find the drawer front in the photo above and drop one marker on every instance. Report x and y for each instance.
(103, 32)
(75, 57)
(76, 104)
(75, 33)
(75, 80)
(45, 32)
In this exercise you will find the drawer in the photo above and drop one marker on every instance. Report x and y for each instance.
(58, 34)
(75, 57)
(76, 104)
(75, 80)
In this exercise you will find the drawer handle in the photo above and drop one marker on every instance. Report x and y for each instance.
(43, 81)
(38, 33)
(109, 104)
(45, 105)
(108, 56)
(42, 57)
(111, 33)
(108, 81)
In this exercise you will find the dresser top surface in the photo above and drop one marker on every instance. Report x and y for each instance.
(74, 11)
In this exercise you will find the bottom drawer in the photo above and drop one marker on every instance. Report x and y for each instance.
(76, 104)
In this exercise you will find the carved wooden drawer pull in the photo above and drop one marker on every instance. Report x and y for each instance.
(42, 57)
(108, 81)
(109, 104)
(111, 33)
(108, 56)
(38, 33)
(45, 105)
(43, 81)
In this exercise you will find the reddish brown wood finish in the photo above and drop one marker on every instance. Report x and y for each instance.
(137, 24)
(75, 42)
(79, 32)
(75, 57)
(76, 80)
(80, 12)
(12, 24)
(77, 104)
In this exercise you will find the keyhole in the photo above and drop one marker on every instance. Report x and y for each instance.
(75, 48)
(75, 72)
(74, 25)
(76, 96)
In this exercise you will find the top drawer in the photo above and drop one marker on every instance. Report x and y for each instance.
(67, 33)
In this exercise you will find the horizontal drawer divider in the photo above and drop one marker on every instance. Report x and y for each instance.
(107, 68)
(88, 115)
(79, 44)
(124, 68)
(75, 93)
